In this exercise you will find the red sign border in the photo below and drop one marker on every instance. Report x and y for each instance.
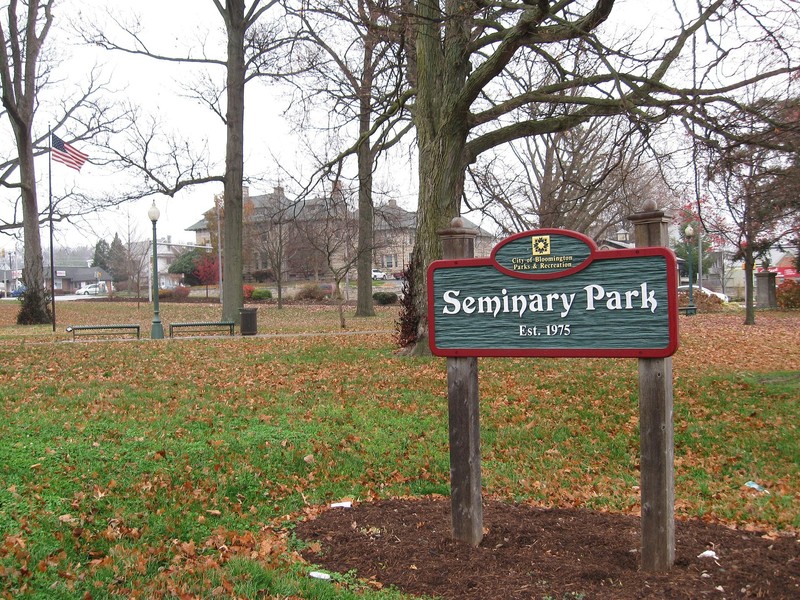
(672, 308)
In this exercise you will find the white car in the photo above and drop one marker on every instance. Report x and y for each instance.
(378, 274)
(702, 290)
(92, 289)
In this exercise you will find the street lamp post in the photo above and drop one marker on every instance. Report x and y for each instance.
(157, 330)
(689, 231)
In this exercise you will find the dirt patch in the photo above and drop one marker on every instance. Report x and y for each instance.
(536, 553)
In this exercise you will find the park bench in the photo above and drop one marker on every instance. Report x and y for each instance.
(685, 310)
(202, 326)
(117, 329)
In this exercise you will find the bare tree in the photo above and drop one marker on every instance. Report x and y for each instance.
(587, 179)
(465, 49)
(355, 65)
(273, 225)
(330, 228)
(26, 70)
(137, 255)
(755, 180)
(89, 117)
(250, 45)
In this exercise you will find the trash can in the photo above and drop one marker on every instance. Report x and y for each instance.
(249, 323)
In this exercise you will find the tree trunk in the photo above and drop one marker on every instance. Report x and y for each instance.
(19, 75)
(233, 297)
(441, 185)
(749, 296)
(366, 231)
(35, 309)
(441, 119)
(366, 212)
(340, 304)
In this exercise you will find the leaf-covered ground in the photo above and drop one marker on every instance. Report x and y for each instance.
(179, 468)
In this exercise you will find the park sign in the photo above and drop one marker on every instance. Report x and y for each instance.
(551, 292)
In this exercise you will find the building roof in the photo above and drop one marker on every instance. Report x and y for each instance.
(481, 231)
(391, 216)
(276, 204)
(201, 225)
(81, 273)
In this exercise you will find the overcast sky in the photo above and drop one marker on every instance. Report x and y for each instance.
(169, 25)
(156, 88)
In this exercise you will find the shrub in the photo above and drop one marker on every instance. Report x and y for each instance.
(384, 298)
(248, 290)
(788, 294)
(261, 295)
(30, 312)
(703, 302)
(178, 293)
(311, 291)
(409, 318)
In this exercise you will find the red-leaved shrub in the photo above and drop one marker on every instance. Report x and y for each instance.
(788, 294)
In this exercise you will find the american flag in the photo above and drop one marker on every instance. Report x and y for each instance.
(66, 154)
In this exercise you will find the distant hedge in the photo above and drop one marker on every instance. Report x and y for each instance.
(385, 298)
(179, 293)
(312, 291)
(705, 303)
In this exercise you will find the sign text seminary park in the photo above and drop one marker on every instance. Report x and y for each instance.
(551, 292)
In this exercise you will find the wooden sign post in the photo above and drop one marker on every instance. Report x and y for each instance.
(656, 429)
(551, 292)
(464, 420)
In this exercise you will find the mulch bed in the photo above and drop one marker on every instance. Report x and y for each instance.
(530, 552)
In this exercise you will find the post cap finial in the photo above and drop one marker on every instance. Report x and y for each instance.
(649, 205)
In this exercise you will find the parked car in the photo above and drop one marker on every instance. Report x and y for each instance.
(702, 290)
(378, 274)
(17, 292)
(92, 289)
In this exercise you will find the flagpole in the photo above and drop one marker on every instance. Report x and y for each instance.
(52, 263)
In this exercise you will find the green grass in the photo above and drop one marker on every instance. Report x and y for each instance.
(155, 469)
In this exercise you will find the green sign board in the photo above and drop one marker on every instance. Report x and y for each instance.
(551, 292)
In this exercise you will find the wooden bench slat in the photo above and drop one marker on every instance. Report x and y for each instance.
(202, 326)
(113, 329)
